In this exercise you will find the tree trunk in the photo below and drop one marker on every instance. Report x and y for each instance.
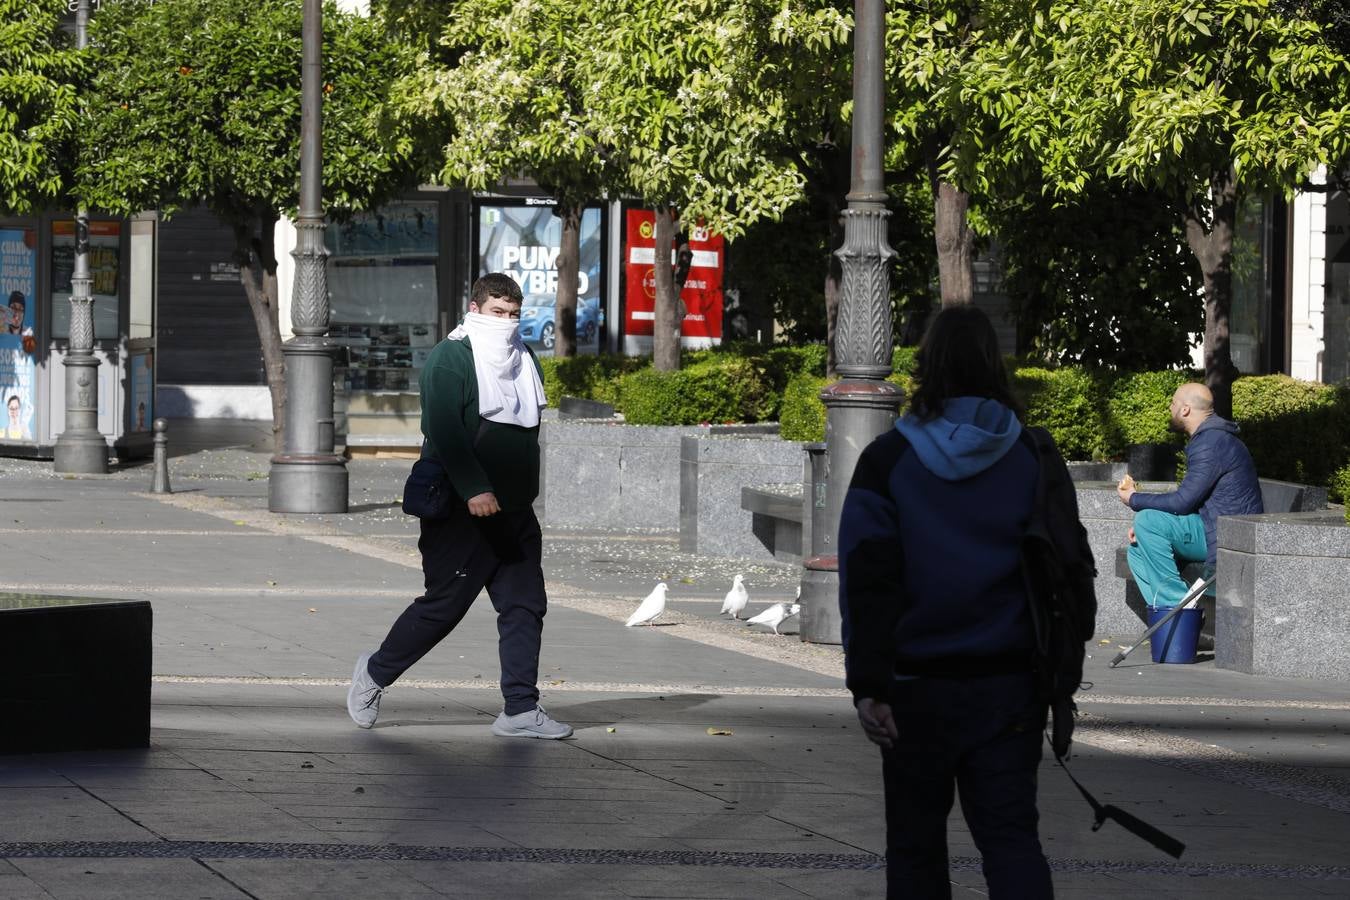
(954, 239)
(1213, 248)
(254, 246)
(669, 311)
(569, 265)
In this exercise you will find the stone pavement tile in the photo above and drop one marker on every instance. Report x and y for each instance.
(273, 879)
(58, 814)
(548, 881)
(1217, 886)
(862, 884)
(14, 885)
(223, 816)
(128, 879)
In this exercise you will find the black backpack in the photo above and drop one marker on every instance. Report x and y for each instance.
(1060, 576)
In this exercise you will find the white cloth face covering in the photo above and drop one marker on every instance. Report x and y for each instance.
(509, 388)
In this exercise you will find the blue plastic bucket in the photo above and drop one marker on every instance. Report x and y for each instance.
(1176, 641)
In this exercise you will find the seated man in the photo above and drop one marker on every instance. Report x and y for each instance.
(1183, 524)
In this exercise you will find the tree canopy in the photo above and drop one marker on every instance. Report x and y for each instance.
(198, 102)
(39, 107)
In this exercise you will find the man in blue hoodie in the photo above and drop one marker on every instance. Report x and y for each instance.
(1182, 525)
(938, 639)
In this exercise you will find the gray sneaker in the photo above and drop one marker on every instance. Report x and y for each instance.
(533, 724)
(363, 697)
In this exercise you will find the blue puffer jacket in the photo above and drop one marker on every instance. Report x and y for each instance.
(1220, 481)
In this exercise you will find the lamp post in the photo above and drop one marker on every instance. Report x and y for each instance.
(306, 475)
(863, 404)
(81, 449)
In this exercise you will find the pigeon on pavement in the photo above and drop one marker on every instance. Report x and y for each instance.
(775, 615)
(737, 598)
(651, 606)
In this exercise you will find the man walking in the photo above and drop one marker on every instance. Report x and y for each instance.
(481, 396)
(1183, 524)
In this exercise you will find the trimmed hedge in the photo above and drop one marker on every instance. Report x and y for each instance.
(712, 390)
(1296, 430)
(1071, 404)
(802, 415)
(1138, 407)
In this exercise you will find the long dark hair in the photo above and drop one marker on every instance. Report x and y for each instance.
(959, 357)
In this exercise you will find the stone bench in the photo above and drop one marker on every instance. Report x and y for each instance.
(76, 672)
(776, 516)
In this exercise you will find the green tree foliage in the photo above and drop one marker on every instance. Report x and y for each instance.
(198, 102)
(686, 105)
(1201, 101)
(39, 74)
(1101, 279)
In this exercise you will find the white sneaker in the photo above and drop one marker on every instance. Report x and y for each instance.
(363, 697)
(533, 724)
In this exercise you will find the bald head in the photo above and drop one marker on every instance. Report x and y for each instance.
(1191, 404)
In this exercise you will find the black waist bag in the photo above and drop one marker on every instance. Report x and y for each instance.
(427, 493)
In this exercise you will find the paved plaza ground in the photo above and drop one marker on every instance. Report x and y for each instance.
(711, 759)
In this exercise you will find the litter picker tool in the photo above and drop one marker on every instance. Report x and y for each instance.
(1201, 585)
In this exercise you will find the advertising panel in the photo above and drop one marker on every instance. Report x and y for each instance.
(141, 374)
(104, 267)
(702, 294)
(523, 242)
(18, 343)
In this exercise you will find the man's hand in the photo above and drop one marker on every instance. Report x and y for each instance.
(484, 504)
(1131, 535)
(1125, 490)
(878, 722)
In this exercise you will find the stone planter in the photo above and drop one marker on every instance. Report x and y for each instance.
(1282, 606)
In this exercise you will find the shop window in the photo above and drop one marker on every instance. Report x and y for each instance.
(382, 286)
(1249, 318)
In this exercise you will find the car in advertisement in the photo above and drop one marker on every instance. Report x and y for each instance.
(538, 327)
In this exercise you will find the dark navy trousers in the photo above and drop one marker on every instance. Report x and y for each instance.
(980, 736)
(461, 555)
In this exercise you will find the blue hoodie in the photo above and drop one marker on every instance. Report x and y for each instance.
(930, 543)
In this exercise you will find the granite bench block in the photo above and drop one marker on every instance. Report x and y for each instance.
(714, 471)
(77, 673)
(605, 474)
(1283, 608)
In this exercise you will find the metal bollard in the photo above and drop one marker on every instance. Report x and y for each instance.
(161, 482)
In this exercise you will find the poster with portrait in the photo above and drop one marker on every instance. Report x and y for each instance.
(702, 294)
(18, 341)
(141, 372)
(523, 242)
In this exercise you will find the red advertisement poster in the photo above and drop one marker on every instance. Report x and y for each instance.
(702, 294)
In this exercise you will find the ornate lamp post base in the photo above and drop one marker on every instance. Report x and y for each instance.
(307, 484)
(308, 477)
(81, 448)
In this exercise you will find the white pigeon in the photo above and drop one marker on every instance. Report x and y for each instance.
(651, 606)
(737, 598)
(775, 615)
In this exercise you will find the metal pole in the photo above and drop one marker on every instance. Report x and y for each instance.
(863, 404)
(81, 449)
(306, 475)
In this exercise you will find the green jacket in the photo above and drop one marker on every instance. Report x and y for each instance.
(503, 459)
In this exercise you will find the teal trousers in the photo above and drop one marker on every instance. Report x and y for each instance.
(1162, 543)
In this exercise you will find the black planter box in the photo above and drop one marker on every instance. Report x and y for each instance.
(76, 673)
